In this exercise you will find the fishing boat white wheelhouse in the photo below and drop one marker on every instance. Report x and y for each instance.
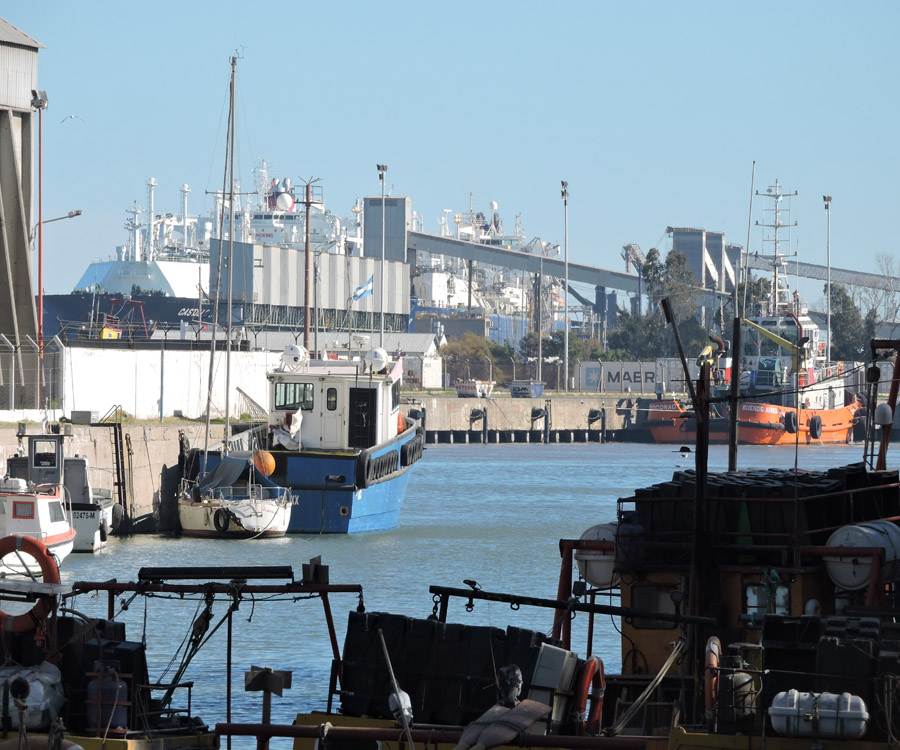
(34, 502)
(338, 441)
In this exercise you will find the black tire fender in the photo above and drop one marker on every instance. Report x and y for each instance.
(790, 422)
(363, 470)
(815, 427)
(221, 520)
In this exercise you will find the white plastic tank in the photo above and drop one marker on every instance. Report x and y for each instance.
(852, 572)
(377, 359)
(597, 567)
(820, 715)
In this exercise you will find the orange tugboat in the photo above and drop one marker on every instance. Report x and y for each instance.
(788, 392)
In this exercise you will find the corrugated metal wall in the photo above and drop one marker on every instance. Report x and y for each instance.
(18, 314)
(278, 276)
(18, 76)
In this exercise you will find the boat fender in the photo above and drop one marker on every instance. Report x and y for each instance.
(49, 573)
(711, 678)
(118, 515)
(592, 679)
(363, 470)
(104, 530)
(221, 520)
(815, 427)
(790, 422)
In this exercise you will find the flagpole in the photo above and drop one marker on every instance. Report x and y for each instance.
(382, 168)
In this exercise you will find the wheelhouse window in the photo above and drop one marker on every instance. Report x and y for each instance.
(395, 394)
(763, 598)
(331, 399)
(44, 453)
(56, 512)
(293, 396)
(22, 509)
(653, 598)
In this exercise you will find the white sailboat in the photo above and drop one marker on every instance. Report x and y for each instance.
(235, 500)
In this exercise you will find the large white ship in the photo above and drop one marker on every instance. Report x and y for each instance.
(161, 277)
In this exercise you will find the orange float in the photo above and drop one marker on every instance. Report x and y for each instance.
(264, 462)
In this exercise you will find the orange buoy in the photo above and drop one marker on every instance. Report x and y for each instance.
(401, 422)
(264, 462)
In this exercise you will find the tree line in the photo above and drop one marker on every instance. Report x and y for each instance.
(855, 315)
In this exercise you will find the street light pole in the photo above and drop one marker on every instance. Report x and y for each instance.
(39, 102)
(382, 168)
(827, 199)
(565, 197)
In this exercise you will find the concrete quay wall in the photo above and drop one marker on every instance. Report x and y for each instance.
(576, 417)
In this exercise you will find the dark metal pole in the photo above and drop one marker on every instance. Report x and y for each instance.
(228, 675)
(733, 399)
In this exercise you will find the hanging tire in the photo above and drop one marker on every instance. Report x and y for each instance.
(815, 427)
(363, 470)
(790, 422)
(221, 520)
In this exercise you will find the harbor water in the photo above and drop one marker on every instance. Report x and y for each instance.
(492, 514)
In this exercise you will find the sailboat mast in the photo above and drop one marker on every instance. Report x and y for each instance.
(215, 309)
(230, 259)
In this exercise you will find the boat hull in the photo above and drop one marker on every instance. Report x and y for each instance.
(759, 423)
(92, 522)
(223, 521)
(474, 388)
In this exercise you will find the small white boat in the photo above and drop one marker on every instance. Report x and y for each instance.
(235, 501)
(474, 388)
(93, 507)
(37, 504)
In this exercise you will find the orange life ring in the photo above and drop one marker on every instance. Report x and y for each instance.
(711, 679)
(49, 573)
(401, 422)
(592, 679)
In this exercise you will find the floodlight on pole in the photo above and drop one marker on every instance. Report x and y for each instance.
(39, 101)
(565, 197)
(827, 199)
(382, 168)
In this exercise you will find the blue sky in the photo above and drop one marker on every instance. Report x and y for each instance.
(653, 112)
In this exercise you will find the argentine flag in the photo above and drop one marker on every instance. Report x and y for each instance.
(365, 290)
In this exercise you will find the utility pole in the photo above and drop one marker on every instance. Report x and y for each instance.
(565, 197)
(308, 202)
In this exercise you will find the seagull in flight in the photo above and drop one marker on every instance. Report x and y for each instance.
(71, 117)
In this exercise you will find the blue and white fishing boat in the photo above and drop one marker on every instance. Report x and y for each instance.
(338, 441)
